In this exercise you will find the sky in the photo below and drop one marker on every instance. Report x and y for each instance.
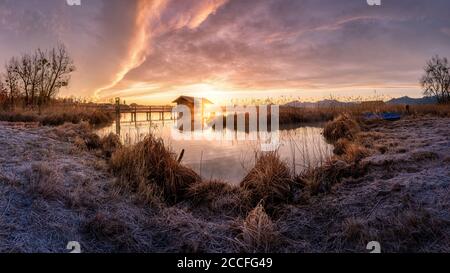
(151, 51)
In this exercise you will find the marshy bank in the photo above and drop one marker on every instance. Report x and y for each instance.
(387, 182)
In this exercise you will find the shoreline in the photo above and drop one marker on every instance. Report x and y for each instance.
(53, 192)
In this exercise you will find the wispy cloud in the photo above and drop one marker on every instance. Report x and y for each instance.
(142, 49)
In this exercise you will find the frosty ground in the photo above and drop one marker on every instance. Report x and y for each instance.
(53, 192)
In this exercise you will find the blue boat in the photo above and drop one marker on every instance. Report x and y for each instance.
(384, 116)
(391, 116)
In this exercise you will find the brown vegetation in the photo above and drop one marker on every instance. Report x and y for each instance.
(109, 144)
(424, 155)
(343, 132)
(152, 171)
(56, 116)
(45, 181)
(269, 182)
(107, 227)
(258, 233)
(323, 178)
(297, 115)
(219, 197)
(95, 118)
(343, 127)
(293, 115)
(351, 151)
(18, 117)
(344, 197)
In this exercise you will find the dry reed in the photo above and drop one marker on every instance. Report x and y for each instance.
(269, 181)
(151, 170)
(341, 127)
(258, 233)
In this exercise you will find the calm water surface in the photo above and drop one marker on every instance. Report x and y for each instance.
(228, 160)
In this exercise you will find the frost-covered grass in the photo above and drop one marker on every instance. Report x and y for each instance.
(388, 183)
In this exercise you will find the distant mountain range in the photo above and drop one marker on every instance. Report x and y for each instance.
(336, 103)
(413, 101)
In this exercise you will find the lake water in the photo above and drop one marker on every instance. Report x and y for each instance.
(224, 158)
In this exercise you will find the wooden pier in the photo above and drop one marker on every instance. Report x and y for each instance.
(134, 110)
(162, 112)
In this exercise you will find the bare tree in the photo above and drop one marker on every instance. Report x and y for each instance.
(22, 67)
(55, 68)
(12, 82)
(3, 93)
(436, 81)
(37, 78)
(35, 70)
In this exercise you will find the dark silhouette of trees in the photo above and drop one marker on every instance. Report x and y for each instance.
(3, 93)
(35, 79)
(11, 82)
(436, 81)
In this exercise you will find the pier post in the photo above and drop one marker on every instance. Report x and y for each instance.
(135, 114)
(117, 116)
(150, 114)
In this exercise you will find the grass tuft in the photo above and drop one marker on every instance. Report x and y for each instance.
(258, 233)
(269, 181)
(424, 156)
(109, 144)
(220, 197)
(343, 127)
(151, 170)
(322, 179)
(44, 181)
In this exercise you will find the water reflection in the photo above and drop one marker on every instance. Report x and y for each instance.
(215, 156)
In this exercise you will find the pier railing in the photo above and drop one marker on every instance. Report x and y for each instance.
(164, 111)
